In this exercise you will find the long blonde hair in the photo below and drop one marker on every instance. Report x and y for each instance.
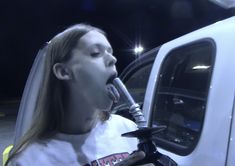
(49, 105)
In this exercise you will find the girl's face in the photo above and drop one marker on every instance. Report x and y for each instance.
(92, 64)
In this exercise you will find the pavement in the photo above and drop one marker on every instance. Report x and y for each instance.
(8, 113)
(7, 126)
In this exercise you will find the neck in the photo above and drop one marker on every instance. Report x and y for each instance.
(79, 116)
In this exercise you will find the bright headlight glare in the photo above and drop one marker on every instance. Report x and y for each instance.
(138, 49)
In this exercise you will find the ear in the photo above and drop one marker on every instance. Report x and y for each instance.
(61, 71)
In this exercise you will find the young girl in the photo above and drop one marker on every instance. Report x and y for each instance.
(72, 125)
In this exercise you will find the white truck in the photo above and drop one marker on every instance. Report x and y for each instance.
(188, 84)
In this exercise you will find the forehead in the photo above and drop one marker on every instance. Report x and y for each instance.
(93, 38)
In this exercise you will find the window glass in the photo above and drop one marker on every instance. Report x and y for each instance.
(136, 85)
(181, 96)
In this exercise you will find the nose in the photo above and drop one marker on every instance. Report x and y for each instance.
(111, 60)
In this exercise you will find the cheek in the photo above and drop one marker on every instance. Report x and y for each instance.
(92, 71)
(89, 72)
(88, 80)
(81, 73)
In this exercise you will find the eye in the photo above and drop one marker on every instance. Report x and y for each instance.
(95, 54)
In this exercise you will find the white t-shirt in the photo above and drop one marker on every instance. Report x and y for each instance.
(103, 146)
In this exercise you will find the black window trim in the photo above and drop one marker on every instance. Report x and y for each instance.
(170, 146)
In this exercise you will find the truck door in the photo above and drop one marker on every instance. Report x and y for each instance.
(190, 89)
(184, 92)
(181, 94)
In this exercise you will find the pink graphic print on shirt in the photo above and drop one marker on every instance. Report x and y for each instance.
(110, 160)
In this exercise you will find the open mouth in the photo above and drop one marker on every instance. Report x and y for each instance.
(111, 78)
(111, 90)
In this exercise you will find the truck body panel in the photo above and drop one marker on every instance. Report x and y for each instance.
(216, 144)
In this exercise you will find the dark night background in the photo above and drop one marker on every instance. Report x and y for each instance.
(26, 25)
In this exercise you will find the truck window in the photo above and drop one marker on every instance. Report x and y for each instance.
(135, 76)
(136, 85)
(181, 96)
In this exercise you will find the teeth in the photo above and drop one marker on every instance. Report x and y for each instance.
(113, 93)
